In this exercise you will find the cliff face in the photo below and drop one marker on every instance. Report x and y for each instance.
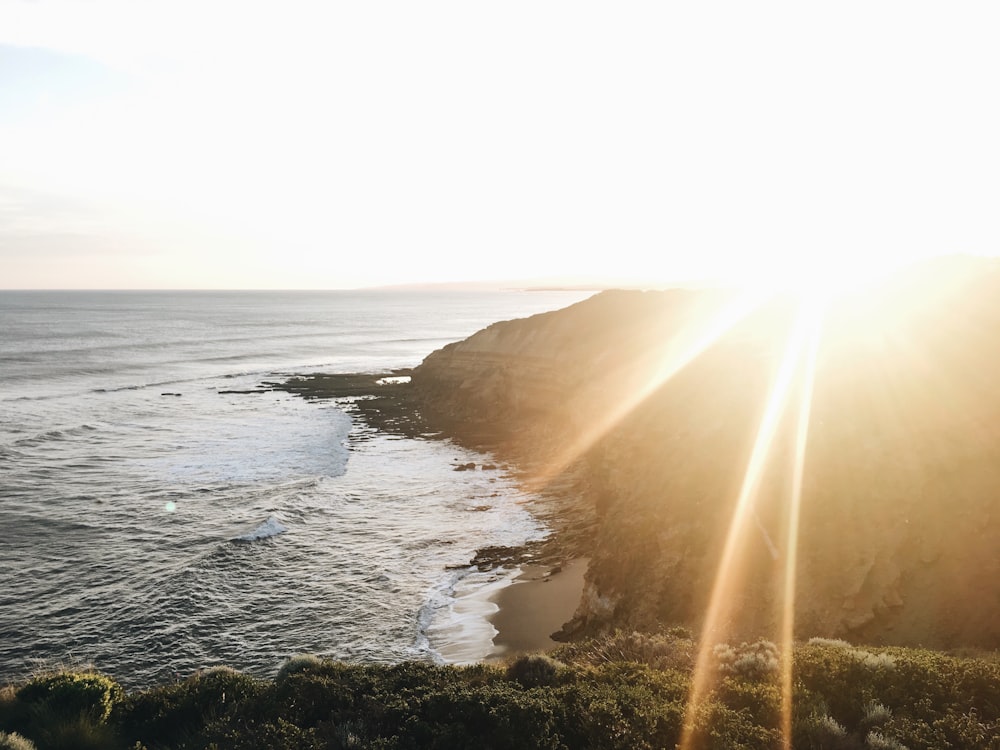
(659, 398)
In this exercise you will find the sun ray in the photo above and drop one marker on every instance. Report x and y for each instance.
(813, 319)
(686, 345)
(727, 573)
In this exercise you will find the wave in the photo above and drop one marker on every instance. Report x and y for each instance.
(438, 598)
(453, 625)
(418, 340)
(111, 389)
(54, 436)
(150, 384)
(271, 527)
(9, 452)
(160, 344)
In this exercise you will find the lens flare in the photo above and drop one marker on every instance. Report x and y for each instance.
(796, 370)
(704, 328)
(813, 320)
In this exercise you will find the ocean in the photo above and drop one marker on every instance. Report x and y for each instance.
(153, 525)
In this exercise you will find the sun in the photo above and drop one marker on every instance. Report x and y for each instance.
(822, 278)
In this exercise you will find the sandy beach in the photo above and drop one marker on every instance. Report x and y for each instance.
(534, 606)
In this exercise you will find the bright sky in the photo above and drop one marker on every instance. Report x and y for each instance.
(327, 145)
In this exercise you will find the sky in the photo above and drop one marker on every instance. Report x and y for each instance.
(338, 145)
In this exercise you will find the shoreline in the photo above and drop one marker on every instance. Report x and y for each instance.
(540, 584)
(535, 605)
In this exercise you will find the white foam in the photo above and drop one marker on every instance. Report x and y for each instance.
(271, 527)
(459, 630)
(237, 439)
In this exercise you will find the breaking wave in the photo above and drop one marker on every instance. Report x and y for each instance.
(271, 527)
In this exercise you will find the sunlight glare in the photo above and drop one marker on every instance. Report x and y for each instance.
(812, 317)
(689, 341)
(821, 278)
(801, 340)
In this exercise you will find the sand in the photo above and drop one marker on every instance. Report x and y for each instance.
(536, 605)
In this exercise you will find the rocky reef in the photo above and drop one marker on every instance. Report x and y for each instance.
(660, 401)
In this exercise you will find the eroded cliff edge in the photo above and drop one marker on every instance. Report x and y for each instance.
(657, 398)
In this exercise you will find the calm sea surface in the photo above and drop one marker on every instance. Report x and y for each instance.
(152, 535)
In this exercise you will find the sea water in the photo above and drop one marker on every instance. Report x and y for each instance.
(153, 524)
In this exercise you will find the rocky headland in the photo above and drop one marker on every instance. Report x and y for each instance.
(652, 402)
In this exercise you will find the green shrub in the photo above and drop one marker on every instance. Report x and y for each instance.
(845, 698)
(72, 694)
(755, 661)
(498, 716)
(276, 735)
(845, 679)
(64, 710)
(822, 732)
(879, 741)
(327, 692)
(718, 727)
(8, 705)
(299, 663)
(166, 715)
(760, 700)
(477, 675)
(15, 742)
(534, 670)
(959, 729)
(674, 649)
(80, 733)
(625, 706)
(875, 716)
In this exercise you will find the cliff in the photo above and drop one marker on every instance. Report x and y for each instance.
(658, 399)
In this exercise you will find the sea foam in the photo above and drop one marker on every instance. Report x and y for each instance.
(271, 527)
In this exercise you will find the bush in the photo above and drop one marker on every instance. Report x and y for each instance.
(300, 663)
(534, 670)
(875, 716)
(845, 679)
(498, 716)
(845, 698)
(8, 705)
(761, 700)
(623, 705)
(15, 742)
(822, 732)
(754, 661)
(718, 727)
(80, 733)
(953, 730)
(673, 649)
(64, 710)
(878, 741)
(72, 694)
(168, 714)
(912, 698)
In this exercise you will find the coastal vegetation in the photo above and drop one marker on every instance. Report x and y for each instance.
(623, 690)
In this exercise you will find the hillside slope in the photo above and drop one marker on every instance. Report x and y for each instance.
(658, 397)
